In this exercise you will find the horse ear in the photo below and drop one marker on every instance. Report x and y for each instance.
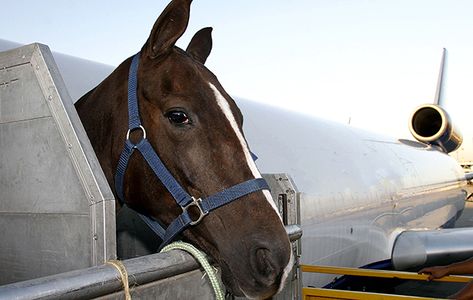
(201, 45)
(169, 27)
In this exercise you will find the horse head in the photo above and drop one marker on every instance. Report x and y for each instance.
(195, 128)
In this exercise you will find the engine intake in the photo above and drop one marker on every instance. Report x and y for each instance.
(432, 125)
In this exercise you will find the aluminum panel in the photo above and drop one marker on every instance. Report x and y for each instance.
(188, 286)
(36, 245)
(57, 212)
(20, 95)
(37, 174)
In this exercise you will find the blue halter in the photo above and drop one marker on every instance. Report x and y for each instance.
(182, 198)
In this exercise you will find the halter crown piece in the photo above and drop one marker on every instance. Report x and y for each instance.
(183, 199)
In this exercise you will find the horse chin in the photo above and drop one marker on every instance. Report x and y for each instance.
(237, 287)
(228, 280)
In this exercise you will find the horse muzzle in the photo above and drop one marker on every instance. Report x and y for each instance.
(263, 274)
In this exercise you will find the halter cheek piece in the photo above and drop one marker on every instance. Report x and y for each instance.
(183, 199)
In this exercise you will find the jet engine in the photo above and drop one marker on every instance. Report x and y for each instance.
(432, 125)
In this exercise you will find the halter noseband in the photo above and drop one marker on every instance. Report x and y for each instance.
(183, 199)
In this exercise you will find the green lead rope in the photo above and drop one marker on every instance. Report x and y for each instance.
(200, 256)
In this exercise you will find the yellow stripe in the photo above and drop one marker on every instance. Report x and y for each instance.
(319, 293)
(380, 273)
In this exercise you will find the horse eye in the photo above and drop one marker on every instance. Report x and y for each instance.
(178, 117)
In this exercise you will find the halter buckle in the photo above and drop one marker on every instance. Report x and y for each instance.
(202, 213)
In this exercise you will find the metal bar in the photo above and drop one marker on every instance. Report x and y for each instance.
(319, 293)
(294, 232)
(380, 273)
(101, 280)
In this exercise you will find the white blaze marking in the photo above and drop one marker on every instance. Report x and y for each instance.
(223, 104)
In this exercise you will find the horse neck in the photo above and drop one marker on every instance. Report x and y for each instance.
(104, 115)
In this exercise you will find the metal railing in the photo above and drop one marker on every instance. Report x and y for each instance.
(309, 293)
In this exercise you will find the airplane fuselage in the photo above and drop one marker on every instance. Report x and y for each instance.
(359, 190)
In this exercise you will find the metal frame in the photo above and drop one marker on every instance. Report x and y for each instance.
(150, 277)
(40, 129)
(287, 198)
(317, 293)
(321, 293)
(381, 273)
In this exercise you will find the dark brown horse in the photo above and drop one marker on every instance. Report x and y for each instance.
(196, 129)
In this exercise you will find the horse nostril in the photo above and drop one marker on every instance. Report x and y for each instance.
(264, 266)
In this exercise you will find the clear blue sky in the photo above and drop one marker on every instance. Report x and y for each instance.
(371, 61)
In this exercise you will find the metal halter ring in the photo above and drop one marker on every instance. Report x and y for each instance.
(202, 213)
(133, 129)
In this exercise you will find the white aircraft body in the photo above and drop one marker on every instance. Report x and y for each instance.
(359, 191)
